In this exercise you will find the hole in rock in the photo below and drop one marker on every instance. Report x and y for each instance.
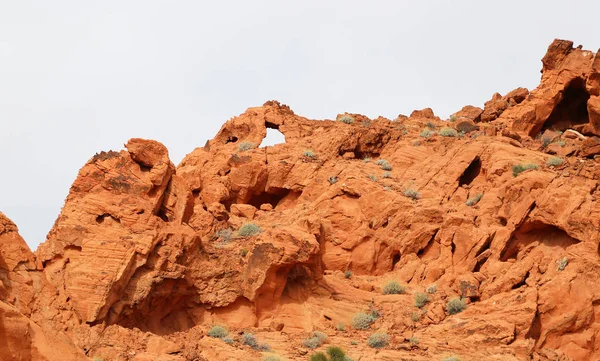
(522, 283)
(479, 264)
(535, 330)
(231, 139)
(571, 110)
(274, 197)
(395, 259)
(536, 234)
(297, 286)
(503, 221)
(100, 219)
(274, 136)
(470, 173)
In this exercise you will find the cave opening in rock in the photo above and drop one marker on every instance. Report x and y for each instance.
(470, 173)
(536, 234)
(571, 110)
(273, 197)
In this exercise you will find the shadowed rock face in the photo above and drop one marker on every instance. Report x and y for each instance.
(281, 241)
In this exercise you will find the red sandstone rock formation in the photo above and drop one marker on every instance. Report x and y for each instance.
(145, 257)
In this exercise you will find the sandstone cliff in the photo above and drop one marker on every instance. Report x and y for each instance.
(495, 209)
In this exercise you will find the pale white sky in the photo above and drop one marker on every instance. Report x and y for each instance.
(78, 77)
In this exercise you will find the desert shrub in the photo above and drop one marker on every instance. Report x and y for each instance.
(218, 332)
(448, 132)
(362, 321)
(340, 327)
(366, 159)
(244, 146)
(319, 356)
(385, 165)
(562, 143)
(456, 305)
(421, 299)
(520, 168)
(243, 252)
(354, 342)
(393, 288)
(474, 200)
(270, 358)
(336, 353)
(264, 347)
(387, 175)
(348, 119)
(451, 358)
(546, 142)
(309, 154)
(332, 180)
(415, 317)
(228, 340)
(312, 343)
(378, 340)
(431, 125)
(320, 335)
(348, 274)
(225, 234)
(554, 162)
(249, 230)
(431, 289)
(250, 340)
(372, 177)
(562, 263)
(412, 194)
(426, 133)
(452, 118)
(98, 359)
(413, 340)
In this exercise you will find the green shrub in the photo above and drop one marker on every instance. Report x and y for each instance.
(348, 274)
(554, 162)
(378, 340)
(431, 289)
(393, 288)
(519, 168)
(340, 327)
(452, 118)
(309, 154)
(562, 143)
(452, 358)
(312, 343)
(319, 356)
(448, 132)
(426, 133)
(250, 340)
(348, 119)
(218, 332)
(244, 146)
(332, 180)
(228, 340)
(456, 305)
(372, 177)
(474, 200)
(270, 358)
(336, 354)
(412, 194)
(385, 165)
(354, 342)
(249, 230)
(362, 321)
(546, 142)
(264, 347)
(243, 252)
(431, 125)
(366, 159)
(414, 316)
(421, 299)
(562, 263)
(225, 234)
(413, 340)
(387, 175)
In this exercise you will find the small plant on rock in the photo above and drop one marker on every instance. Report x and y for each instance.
(415, 317)
(385, 165)
(332, 180)
(412, 194)
(336, 353)
(347, 119)
(362, 321)
(366, 159)
(270, 358)
(372, 177)
(244, 146)
(431, 289)
(387, 175)
(309, 154)
(421, 299)
(562, 264)
(250, 340)
(348, 274)
(228, 340)
(426, 133)
(413, 340)
(452, 358)
(218, 332)
(520, 168)
(319, 356)
(554, 162)
(393, 288)
(474, 200)
(378, 340)
(452, 118)
(456, 305)
(249, 230)
(226, 234)
(431, 125)
(448, 132)
(340, 327)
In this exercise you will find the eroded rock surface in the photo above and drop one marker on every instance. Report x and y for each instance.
(280, 241)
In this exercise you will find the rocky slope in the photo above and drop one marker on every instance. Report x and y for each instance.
(495, 208)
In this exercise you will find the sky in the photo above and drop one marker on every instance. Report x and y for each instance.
(78, 77)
